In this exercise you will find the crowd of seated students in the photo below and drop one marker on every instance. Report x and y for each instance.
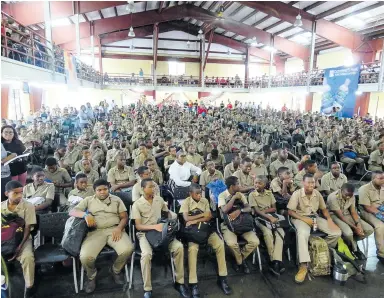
(116, 158)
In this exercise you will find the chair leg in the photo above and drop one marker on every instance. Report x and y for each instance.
(126, 273)
(362, 177)
(81, 278)
(74, 263)
(131, 274)
(253, 258)
(259, 257)
(173, 269)
(289, 254)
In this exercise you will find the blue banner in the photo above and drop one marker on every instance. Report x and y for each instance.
(339, 96)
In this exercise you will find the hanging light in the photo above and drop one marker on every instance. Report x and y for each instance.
(254, 41)
(188, 44)
(130, 7)
(298, 21)
(200, 35)
(229, 52)
(131, 33)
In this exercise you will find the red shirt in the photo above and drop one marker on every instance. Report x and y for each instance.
(229, 106)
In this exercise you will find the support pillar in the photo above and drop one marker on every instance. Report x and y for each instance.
(92, 28)
(35, 98)
(381, 75)
(280, 66)
(4, 100)
(308, 102)
(312, 57)
(150, 93)
(362, 104)
(100, 59)
(270, 64)
(48, 33)
(155, 46)
(202, 56)
(246, 75)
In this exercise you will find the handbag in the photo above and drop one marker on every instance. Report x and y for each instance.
(12, 233)
(197, 233)
(74, 233)
(241, 224)
(160, 240)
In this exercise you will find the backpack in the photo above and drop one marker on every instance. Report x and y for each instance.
(242, 224)
(320, 257)
(198, 233)
(160, 240)
(74, 233)
(12, 233)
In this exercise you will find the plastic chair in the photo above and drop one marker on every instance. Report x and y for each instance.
(366, 172)
(52, 225)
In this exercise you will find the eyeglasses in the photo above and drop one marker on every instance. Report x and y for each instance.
(8, 132)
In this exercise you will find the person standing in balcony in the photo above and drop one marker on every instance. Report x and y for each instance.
(83, 117)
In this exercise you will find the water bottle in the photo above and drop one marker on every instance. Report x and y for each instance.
(4, 287)
(314, 224)
(342, 94)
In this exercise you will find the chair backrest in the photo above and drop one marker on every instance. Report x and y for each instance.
(52, 224)
(181, 193)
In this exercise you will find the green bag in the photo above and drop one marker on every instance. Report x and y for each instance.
(320, 257)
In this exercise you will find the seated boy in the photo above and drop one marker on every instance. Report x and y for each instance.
(282, 187)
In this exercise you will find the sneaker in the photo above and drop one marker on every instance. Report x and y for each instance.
(90, 286)
(29, 292)
(274, 268)
(301, 274)
(282, 267)
(246, 268)
(118, 278)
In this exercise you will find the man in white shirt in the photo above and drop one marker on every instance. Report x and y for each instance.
(181, 170)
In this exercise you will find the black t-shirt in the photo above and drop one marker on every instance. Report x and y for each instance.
(18, 166)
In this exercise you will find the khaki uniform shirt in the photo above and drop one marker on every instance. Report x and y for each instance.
(305, 206)
(106, 212)
(24, 210)
(82, 193)
(196, 159)
(141, 158)
(79, 166)
(370, 196)
(92, 176)
(331, 146)
(137, 191)
(229, 170)
(259, 170)
(277, 186)
(46, 190)
(219, 161)
(168, 160)
(206, 177)
(298, 180)
(244, 180)
(60, 175)
(261, 201)
(336, 202)
(360, 149)
(115, 176)
(71, 157)
(225, 197)
(147, 213)
(330, 183)
(376, 158)
(190, 204)
(291, 165)
(157, 176)
(112, 153)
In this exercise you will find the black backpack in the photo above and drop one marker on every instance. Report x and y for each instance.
(74, 233)
(242, 224)
(160, 240)
(198, 233)
(12, 233)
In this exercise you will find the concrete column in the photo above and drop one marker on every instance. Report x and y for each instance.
(77, 29)
(381, 75)
(311, 59)
(246, 75)
(362, 104)
(48, 34)
(309, 102)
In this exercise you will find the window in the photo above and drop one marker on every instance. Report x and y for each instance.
(176, 68)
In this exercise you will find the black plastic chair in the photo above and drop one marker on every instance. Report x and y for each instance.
(52, 225)
(179, 193)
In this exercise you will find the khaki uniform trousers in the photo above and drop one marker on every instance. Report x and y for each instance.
(378, 226)
(351, 162)
(374, 168)
(231, 239)
(96, 241)
(313, 150)
(175, 248)
(347, 232)
(274, 246)
(303, 232)
(27, 261)
(217, 245)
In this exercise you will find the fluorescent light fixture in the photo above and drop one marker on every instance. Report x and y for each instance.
(254, 41)
(270, 49)
(358, 92)
(298, 21)
(355, 22)
(131, 33)
(188, 44)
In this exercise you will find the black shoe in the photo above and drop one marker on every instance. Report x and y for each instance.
(90, 286)
(381, 259)
(147, 294)
(282, 267)
(195, 293)
(236, 267)
(118, 278)
(359, 255)
(182, 289)
(274, 268)
(29, 292)
(246, 268)
(223, 285)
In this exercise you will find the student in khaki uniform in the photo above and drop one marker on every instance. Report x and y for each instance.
(263, 202)
(302, 206)
(82, 188)
(108, 216)
(97, 152)
(197, 202)
(169, 159)
(72, 154)
(86, 154)
(226, 200)
(341, 204)
(91, 174)
(24, 252)
(58, 176)
(146, 212)
(376, 159)
(333, 180)
(144, 173)
(156, 174)
(310, 167)
(143, 155)
(246, 181)
(59, 156)
(122, 176)
(210, 174)
(217, 158)
(193, 157)
(39, 188)
(371, 197)
(283, 185)
(112, 153)
(232, 167)
(282, 161)
(258, 168)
